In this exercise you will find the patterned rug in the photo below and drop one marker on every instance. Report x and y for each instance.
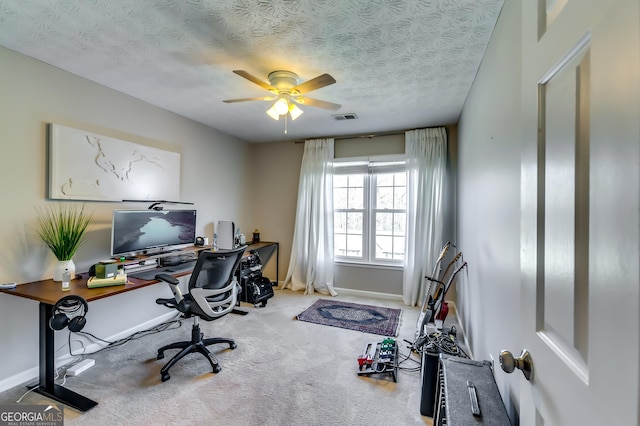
(353, 316)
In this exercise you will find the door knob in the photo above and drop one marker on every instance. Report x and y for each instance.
(523, 362)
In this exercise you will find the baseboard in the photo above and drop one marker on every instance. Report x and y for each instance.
(31, 374)
(25, 376)
(372, 294)
(361, 293)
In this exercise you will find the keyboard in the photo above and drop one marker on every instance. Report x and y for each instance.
(173, 269)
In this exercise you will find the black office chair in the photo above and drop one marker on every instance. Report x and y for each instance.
(213, 292)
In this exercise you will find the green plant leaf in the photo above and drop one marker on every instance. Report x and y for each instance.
(62, 228)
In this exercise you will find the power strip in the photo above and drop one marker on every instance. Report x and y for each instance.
(78, 368)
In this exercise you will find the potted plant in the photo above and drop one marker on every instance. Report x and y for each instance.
(62, 229)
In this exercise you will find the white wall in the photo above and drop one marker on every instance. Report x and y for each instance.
(213, 176)
(275, 170)
(488, 204)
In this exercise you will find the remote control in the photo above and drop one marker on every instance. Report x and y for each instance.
(7, 286)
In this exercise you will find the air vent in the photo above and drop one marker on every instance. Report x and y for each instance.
(348, 116)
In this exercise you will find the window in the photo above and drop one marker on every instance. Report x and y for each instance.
(370, 204)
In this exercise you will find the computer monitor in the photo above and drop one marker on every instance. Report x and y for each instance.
(135, 232)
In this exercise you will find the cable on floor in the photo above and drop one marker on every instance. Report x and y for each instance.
(167, 325)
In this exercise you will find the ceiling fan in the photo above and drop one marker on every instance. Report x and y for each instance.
(287, 92)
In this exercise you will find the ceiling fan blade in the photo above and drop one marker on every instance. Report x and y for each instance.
(314, 84)
(316, 103)
(264, 98)
(254, 79)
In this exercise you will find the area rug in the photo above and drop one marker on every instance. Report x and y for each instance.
(353, 316)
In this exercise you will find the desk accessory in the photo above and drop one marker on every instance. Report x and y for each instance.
(225, 234)
(108, 270)
(95, 282)
(62, 229)
(157, 204)
(66, 280)
(74, 306)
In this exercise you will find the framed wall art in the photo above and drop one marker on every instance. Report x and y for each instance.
(88, 166)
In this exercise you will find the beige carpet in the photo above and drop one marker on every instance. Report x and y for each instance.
(283, 372)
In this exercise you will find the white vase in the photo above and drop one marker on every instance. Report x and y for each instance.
(61, 267)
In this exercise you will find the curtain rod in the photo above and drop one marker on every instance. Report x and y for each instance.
(365, 135)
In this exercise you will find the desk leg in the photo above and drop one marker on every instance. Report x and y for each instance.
(47, 385)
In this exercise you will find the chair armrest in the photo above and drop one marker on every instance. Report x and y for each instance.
(173, 284)
(170, 279)
(169, 303)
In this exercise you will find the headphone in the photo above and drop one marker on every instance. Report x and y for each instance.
(71, 305)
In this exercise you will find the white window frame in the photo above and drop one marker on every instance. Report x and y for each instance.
(368, 167)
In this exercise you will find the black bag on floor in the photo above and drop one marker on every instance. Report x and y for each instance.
(257, 291)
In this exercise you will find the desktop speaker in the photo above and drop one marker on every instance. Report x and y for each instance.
(69, 312)
(106, 270)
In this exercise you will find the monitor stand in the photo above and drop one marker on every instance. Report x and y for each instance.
(120, 258)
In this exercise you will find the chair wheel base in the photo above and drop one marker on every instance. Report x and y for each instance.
(165, 377)
(233, 345)
(160, 356)
(217, 368)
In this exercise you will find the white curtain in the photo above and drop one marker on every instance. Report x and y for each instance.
(311, 263)
(426, 151)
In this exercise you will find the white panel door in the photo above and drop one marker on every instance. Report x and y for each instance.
(580, 202)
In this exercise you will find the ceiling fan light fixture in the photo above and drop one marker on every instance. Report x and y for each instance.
(295, 111)
(281, 106)
(288, 92)
(271, 112)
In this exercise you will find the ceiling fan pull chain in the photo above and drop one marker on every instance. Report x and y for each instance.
(285, 123)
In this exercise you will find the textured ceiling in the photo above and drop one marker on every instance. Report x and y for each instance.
(399, 64)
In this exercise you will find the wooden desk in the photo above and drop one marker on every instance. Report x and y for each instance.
(48, 292)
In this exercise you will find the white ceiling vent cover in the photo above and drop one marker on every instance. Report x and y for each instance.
(347, 116)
